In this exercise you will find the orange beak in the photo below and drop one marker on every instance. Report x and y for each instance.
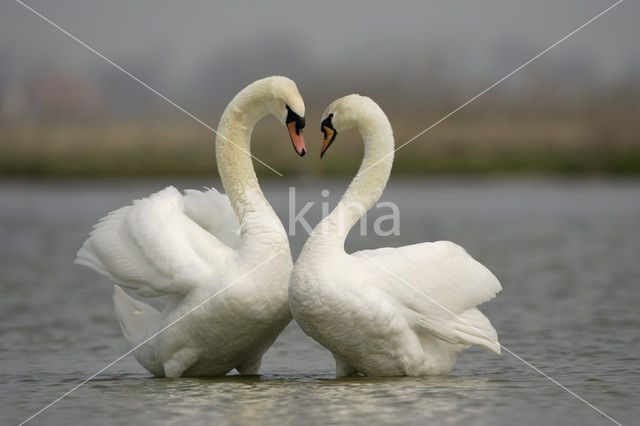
(329, 136)
(297, 139)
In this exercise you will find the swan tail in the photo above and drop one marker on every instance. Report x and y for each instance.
(473, 328)
(135, 317)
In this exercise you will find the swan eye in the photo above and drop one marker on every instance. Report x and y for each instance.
(327, 124)
(292, 117)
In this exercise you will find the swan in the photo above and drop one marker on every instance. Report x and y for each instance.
(212, 269)
(405, 311)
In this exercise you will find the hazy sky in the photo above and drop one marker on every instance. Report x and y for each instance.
(190, 48)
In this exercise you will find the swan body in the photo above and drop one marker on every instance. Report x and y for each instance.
(391, 311)
(201, 277)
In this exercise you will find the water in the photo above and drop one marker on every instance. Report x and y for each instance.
(566, 252)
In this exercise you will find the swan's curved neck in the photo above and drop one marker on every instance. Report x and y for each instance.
(232, 151)
(367, 186)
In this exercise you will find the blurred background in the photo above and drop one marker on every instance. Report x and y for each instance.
(66, 112)
(534, 179)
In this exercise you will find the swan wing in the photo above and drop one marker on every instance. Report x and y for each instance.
(167, 243)
(438, 285)
(212, 211)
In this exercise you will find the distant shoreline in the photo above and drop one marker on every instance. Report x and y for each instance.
(485, 142)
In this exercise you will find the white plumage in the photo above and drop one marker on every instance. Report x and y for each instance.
(157, 246)
(391, 311)
(174, 251)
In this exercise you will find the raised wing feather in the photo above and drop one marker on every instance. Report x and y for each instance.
(212, 211)
(162, 244)
(440, 285)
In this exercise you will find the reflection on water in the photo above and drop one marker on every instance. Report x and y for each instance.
(248, 400)
(566, 252)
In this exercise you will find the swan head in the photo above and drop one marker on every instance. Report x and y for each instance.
(287, 105)
(341, 115)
